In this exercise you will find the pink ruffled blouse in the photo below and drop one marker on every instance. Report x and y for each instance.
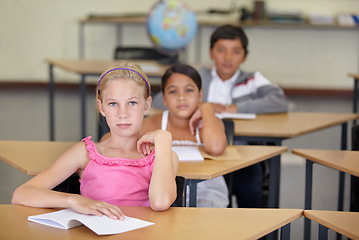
(117, 181)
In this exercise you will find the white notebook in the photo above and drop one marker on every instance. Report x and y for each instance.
(236, 115)
(104, 225)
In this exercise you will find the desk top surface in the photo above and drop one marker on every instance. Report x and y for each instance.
(345, 223)
(96, 67)
(175, 223)
(288, 125)
(345, 161)
(36, 156)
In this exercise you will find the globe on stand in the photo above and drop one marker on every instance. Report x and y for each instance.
(171, 25)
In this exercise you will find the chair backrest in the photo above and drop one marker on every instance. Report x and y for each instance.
(102, 127)
(229, 129)
(70, 185)
(138, 53)
(181, 192)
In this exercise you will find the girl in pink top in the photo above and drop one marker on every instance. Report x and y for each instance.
(123, 170)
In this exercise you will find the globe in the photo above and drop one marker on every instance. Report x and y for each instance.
(171, 25)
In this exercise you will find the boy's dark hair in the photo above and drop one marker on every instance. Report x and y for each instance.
(229, 32)
(184, 69)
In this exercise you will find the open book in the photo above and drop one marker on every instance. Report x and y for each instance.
(104, 225)
(197, 153)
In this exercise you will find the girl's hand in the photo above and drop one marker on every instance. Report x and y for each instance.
(219, 108)
(145, 142)
(195, 121)
(92, 207)
(230, 108)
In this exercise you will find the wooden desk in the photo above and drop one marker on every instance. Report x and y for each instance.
(175, 223)
(195, 172)
(345, 223)
(35, 157)
(90, 68)
(344, 161)
(274, 128)
(280, 126)
(355, 92)
(32, 157)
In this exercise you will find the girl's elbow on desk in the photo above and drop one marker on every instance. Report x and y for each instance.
(19, 196)
(161, 204)
(216, 149)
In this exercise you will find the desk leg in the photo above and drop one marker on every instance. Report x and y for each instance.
(274, 182)
(355, 99)
(340, 197)
(83, 106)
(322, 232)
(343, 144)
(274, 177)
(285, 232)
(192, 183)
(341, 191)
(308, 196)
(51, 102)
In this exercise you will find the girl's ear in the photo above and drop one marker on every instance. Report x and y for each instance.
(200, 96)
(100, 107)
(148, 104)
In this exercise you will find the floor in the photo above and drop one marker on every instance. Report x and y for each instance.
(25, 117)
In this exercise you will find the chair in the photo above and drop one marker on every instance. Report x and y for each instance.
(181, 192)
(70, 185)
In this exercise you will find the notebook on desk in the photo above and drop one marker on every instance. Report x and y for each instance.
(197, 153)
(236, 115)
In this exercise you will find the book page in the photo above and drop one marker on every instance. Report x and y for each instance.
(104, 225)
(188, 153)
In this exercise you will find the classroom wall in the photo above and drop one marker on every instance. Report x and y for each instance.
(32, 30)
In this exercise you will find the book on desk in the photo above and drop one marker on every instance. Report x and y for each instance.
(67, 218)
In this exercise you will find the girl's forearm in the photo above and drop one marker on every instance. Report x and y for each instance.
(213, 134)
(162, 190)
(37, 197)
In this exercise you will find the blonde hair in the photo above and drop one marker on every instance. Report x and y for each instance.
(123, 70)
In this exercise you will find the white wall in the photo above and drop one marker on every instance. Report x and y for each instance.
(31, 30)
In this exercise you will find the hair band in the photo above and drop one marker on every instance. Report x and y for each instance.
(129, 69)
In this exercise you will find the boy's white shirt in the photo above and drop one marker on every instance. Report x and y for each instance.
(219, 90)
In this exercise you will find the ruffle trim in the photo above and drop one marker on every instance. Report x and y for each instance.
(102, 160)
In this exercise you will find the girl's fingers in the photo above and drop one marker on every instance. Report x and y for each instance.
(111, 211)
